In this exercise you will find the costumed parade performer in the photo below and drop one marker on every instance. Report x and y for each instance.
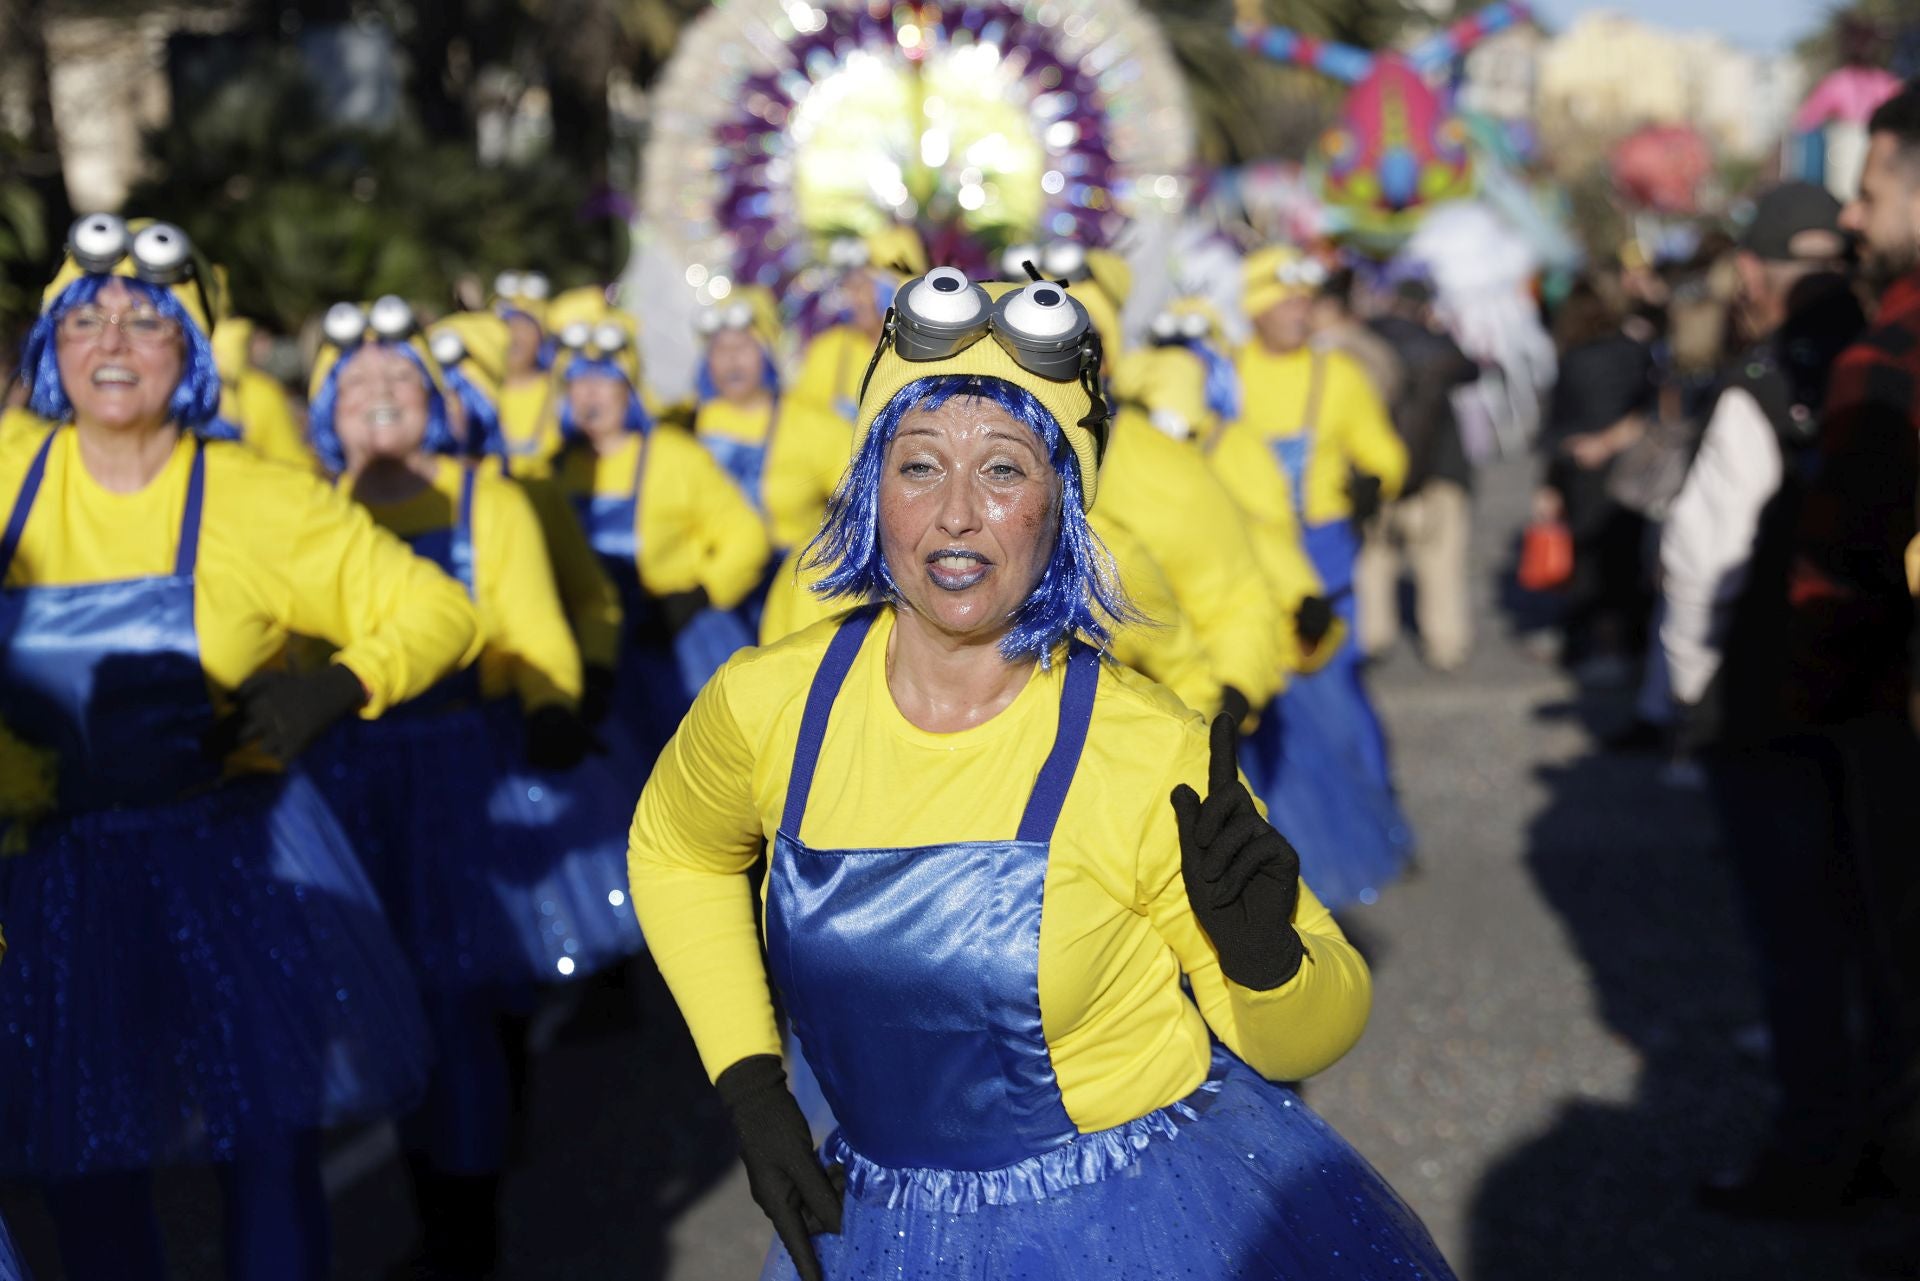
(670, 527)
(252, 401)
(836, 358)
(1314, 413)
(495, 838)
(988, 977)
(200, 969)
(527, 394)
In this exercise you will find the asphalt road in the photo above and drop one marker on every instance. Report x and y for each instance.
(1553, 1058)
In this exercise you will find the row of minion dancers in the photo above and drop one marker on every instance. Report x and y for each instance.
(365, 741)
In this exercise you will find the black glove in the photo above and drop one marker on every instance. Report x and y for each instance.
(1234, 704)
(284, 712)
(1243, 878)
(678, 608)
(1313, 620)
(557, 739)
(783, 1173)
(1363, 491)
(596, 695)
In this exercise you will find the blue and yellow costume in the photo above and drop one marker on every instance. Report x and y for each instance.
(200, 968)
(984, 943)
(1311, 422)
(252, 401)
(526, 401)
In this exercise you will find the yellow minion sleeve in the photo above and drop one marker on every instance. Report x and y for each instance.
(1358, 423)
(792, 605)
(809, 454)
(519, 603)
(1163, 492)
(587, 594)
(1165, 646)
(266, 421)
(830, 372)
(695, 834)
(695, 527)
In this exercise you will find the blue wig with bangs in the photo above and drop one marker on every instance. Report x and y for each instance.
(325, 436)
(196, 401)
(1078, 593)
(637, 416)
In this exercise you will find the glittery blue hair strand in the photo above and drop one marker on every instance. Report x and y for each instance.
(1079, 592)
(195, 402)
(638, 419)
(325, 436)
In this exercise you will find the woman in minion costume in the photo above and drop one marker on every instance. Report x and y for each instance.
(253, 401)
(200, 969)
(992, 872)
(497, 840)
(676, 535)
(864, 282)
(1193, 324)
(470, 348)
(526, 400)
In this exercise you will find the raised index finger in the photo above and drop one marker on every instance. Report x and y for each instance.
(1223, 766)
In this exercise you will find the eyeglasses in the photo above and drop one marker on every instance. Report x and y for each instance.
(142, 326)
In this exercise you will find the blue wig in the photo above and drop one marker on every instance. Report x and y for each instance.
(1080, 590)
(637, 416)
(196, 401)
(325, 437)
(484, 436)
(1223, 380)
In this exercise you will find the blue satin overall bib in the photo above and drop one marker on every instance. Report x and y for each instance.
(912, 975)
(746, 462)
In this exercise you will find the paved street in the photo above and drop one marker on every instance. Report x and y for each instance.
(1552, 1059)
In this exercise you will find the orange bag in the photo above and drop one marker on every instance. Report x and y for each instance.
(1546, 556)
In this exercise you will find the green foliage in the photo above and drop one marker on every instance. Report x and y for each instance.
(303, 214)
(24, 249)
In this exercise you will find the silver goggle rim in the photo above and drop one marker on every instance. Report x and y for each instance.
(161, 252)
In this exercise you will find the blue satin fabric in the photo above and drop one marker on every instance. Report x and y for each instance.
(1293, 453)
(11, 1269)
(108, 675)
(1333, 547)
(746, 463)
(912, 975)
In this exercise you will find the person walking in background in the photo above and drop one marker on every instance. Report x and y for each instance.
(1429, 527)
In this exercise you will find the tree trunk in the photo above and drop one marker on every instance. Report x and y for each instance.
(41, 166)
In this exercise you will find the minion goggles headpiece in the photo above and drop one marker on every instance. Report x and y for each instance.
(1170, 327)
(160, 252)
(733, 316)
(1064, 260)
(531, 285)
(389, 319)
(1301, 273)
(605, 337)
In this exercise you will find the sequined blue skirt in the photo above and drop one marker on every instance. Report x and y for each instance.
(655, 685)
(1237, 1180)
(1307, 763)
(186, 981)
(497, 876)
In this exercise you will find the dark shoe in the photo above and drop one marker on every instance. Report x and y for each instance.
(1643, 736)
(1777, 1186)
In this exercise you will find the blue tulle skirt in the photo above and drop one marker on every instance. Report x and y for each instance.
(655, 685)
(186, 981)
(497, 875)
(11, 1269)
(1308, 762)
(1239, 1180)
(1333, 548)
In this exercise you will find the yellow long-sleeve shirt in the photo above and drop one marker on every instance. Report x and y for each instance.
(1116, 930)
(1163, 493)
(1249, 471)
(530, 424)
(588, 595)
(809, 452)
(530, 650)
(694, 526)
(831, 370)
(1350, 426)
(280, 553)
(260, 408)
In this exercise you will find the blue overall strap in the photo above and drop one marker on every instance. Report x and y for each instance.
(187, 555)
(1056, 774)
(841, 652)
(462, 550)
(23, 505)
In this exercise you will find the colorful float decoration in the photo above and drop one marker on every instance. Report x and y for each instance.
(1398, 146)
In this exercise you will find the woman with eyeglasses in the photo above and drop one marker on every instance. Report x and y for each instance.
(1045, 982)
(200, 970)
(674, 533)
(495, 837)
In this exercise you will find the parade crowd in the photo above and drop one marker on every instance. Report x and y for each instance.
(963, 702)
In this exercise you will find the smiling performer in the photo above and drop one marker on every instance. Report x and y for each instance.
(200, 970)
(992, 870)
(498, 842)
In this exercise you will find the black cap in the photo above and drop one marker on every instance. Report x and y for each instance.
(1796, 222)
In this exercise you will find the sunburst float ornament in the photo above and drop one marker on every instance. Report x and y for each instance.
(785, 124)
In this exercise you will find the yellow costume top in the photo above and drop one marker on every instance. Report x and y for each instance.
(1284, 396)
(1162, 492)
(694, 527)
(808, 452)
(280, 553)
(529, 650)
(259, 406)
(1248, 470)
(1116, 931)
(830, 371)
(530, 423)
(589, 597)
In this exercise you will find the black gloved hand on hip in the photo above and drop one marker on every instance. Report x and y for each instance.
(1242, 876)
(557, 738)
(783, 1173)
(1313, 620)
(1363, 492)
(282, 713)
(676, 609)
